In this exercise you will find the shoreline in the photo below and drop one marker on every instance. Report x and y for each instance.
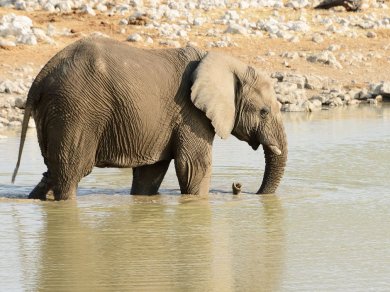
(295, 93)
(362, 110)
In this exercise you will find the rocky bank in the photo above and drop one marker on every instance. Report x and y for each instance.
(179, 23)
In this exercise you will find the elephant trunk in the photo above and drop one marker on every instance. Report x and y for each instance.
(274, 166)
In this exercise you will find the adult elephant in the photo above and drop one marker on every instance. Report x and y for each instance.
(100, 102)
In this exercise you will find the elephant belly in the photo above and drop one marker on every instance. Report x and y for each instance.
(129, 151)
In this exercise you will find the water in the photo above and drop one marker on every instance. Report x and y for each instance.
(327, 228)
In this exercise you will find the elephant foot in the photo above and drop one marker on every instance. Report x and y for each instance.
(42, 190)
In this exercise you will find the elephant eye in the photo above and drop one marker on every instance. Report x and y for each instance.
(264, 112)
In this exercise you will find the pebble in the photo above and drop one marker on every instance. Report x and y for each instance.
(236, 29)
(325, 57)
(317, 38)
(134, 38)
(170, 43)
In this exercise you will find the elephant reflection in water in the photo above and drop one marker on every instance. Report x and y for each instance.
(70, 257)
(125, 247)
(156, 244)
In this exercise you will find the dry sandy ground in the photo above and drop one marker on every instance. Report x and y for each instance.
(251, 49)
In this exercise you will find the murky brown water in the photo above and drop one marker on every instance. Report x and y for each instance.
(327, 228)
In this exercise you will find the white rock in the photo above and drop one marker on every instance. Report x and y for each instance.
(270, 53)
(122, 9)
(7, 43)
(8, 86)
(135, 37)
(325, 57)
(285, 87)
(149, 40)
(231, 15)
(101, 7)
(244, 5)
(87, 9)
(170, 43)
(379, 98)
(316, 103)
(20, 102)
(236, 29)
(123, 21)
(15, 25)
(294, 39)
(313, 82)
(172, 14)
(333, 102)
(385, 88)
(371, 34)
(354, 93)
(136, 3)
(333, 48)
(299, 80)
(317, 38)
(4, 121)
(28, 39)
(351, 34)
(213, 32)
(298, 26)
(64, 6)
(41, 35)
(297, 4)
(190, 5)
(375, 88)
(51, 30)
(182, 33)
(322, 98)
(49, 7)
(20, 5)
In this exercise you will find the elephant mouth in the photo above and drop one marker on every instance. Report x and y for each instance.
(253, 143)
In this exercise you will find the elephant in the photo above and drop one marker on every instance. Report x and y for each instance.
(100, 102)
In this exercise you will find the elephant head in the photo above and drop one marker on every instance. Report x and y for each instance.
(239, 100)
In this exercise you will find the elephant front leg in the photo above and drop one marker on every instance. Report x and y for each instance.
(194, 174)
(148, 178)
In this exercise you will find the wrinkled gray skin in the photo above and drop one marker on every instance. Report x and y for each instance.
(103, 103)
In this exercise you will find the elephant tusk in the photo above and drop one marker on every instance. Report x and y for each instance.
(275, 149)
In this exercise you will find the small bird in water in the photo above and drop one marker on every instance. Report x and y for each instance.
(236, 188)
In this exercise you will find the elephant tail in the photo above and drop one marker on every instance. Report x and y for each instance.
(26, 118)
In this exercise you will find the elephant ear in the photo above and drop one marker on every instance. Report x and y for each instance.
(213, 92)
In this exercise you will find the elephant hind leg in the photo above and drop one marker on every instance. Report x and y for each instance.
(148, 178)
(65, 190)
(65, 179)
(43, 188)
(68, 166)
